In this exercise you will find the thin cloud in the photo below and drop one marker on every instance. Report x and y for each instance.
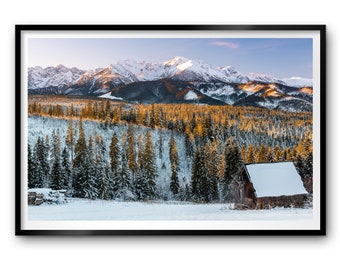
(227, 44)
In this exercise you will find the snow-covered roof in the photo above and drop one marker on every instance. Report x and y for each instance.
(275, 179)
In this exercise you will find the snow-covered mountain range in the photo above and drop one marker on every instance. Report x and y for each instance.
(176, 80)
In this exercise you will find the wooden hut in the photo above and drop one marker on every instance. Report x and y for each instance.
(267, 185)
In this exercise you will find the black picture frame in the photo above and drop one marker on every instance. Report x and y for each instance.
(320, 42)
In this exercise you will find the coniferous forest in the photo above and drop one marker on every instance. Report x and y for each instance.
(109, 150)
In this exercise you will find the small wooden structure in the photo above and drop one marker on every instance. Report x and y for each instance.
(267, 185)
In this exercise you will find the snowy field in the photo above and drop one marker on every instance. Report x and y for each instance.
(81, 209)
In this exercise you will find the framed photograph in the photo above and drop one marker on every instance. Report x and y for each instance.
(170, 129)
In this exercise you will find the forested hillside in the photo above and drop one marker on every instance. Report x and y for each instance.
(100, 149)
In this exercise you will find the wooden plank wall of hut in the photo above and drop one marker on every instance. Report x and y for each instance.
(281, 201)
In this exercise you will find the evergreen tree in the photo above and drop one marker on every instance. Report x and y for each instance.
(299, 164)
(123, 182)
(207, 128)
(221, 167)
(204, 181)
(160, 145)
(57, 180)
(66, 169)
(184, 193)
(308, 171)
(233, 162)
(189, 146)
(102, 173)
(198, 177)
(270, 155)
(308, 145)
(131, 150)
(104, 183)
(277, 153)
(80, 147)
(43, 167)
(31, 168)
(262, 154)
(141, 186)
(250, 157)
(89, 185)
(114, 154)
(174, 161)
(211, 165)
(153, 117)
(149, 168)
(140, 154)
(70, 140)
(174, 182)
(309, 165)
(80, 163)
(173, 154)
(55, 145)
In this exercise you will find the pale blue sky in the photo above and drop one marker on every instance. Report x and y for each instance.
(280, 57)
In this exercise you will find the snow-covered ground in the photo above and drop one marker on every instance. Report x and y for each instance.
(81, 209)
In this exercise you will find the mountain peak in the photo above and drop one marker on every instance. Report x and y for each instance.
(60, 66)
(298, 82)
(177, 60)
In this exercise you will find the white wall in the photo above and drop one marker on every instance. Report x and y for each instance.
(166, 252)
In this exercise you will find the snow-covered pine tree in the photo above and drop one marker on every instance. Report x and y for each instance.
(79, 163)
(308, 169)
(184, 193)
(103, 174)
(149, 168)
(70, 138)
(66, 169)
(174, 162)
(233, 162)
(160, 145)
(57, 180)
(89, 187)
(140, 144)
(174, 182)
(189, 146)
(123, 181)
(204, 181)
(198, 172)
(55, 144)
(309, 165)
(211, 165)
(299, 164)
(43, 167)
(115, 154)
(141, 186)
(31, 168)
(140, 181)
(131, 152)
(80, 147)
